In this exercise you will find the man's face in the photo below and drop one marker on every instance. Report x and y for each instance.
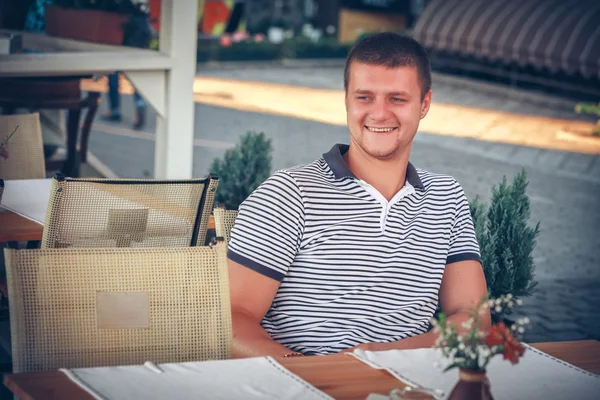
(383, 108)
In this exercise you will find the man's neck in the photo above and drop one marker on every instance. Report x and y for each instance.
(387, 176)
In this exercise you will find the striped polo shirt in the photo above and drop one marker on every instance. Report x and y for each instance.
(354, 268)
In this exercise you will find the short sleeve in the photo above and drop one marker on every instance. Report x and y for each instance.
(463, 241)
(269, 227)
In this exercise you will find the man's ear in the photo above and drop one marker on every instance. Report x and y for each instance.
(425, 104)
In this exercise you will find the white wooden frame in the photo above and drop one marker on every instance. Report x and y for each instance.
(164, 78)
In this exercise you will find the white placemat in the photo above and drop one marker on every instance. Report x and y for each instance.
(536, 376)
(27, 197)
(250, 378)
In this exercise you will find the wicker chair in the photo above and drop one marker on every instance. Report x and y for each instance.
(224, 221)
(75, 308)
(128, 212)
(25, 148)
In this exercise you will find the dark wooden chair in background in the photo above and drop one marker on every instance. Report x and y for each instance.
(55, 93)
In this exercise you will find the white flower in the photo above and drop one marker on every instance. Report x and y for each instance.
(315, 35)
(490, 303)
(511, 304)
(461, 346)
(485, 351)
(526, 320)
(498, 309)
(519, 302)
(307, 29)
(509, 296)
(330, 29)
(499, 301)
(520, 329)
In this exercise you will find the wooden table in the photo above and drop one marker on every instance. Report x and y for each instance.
(341, 376)
(16, 228)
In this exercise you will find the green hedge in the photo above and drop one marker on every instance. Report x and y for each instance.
(251, 51)
(324, 48)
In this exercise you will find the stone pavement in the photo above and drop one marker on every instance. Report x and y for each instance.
(564, 186)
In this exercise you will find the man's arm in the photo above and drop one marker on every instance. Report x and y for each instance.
(463, 286)
(251, 296)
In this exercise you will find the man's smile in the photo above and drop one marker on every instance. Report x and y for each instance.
(381, 130)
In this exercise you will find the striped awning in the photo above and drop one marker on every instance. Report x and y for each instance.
(549, 35)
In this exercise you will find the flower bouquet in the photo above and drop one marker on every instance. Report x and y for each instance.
(472, 348)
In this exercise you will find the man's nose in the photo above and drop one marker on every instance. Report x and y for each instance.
(380, 110)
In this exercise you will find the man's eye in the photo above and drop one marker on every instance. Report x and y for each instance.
(362, 97)
(398, 100)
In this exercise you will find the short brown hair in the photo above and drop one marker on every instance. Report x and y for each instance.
(391, 50)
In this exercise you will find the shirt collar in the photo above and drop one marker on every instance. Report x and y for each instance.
(334, 158)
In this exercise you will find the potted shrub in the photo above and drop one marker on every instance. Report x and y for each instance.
(242, 169)
(592, 109)
(99, 21)
(506, 240)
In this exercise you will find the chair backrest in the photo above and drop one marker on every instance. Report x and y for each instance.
(72, 308)
(128, 212)
(21, 149)
(224, 221)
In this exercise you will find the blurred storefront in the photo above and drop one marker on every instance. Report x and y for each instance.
(346, 19)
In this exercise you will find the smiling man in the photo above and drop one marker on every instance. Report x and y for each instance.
(357, 248)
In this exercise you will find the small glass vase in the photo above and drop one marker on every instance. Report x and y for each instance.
(471, 385)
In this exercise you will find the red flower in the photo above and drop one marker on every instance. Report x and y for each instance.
(226, 40)
(500, 335)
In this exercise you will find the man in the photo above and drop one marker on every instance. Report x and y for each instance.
(357, 248)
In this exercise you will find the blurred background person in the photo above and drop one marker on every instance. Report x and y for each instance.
(137, 32)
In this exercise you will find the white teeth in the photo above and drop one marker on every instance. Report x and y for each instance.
(380, 130)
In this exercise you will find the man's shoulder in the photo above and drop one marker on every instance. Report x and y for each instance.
(305, 173)
(437, 182)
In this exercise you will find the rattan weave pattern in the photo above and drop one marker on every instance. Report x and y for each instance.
(224, 221)
(25, 148)
(53, 306)
(126, 212)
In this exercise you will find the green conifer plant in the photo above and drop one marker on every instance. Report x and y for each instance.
(242, 169)
(505, 238)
